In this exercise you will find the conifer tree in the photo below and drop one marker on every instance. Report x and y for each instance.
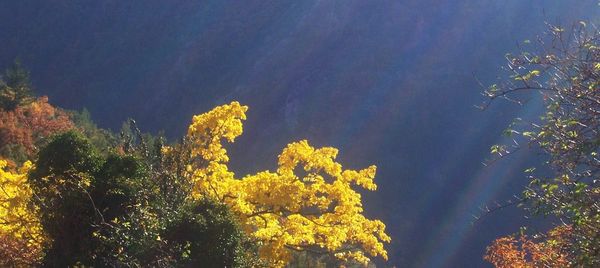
(15, 87)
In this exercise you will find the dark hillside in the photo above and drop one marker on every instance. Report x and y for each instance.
(387, 82)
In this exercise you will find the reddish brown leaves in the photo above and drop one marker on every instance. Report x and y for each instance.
(16, 253)
(28, 125)
(551, 250)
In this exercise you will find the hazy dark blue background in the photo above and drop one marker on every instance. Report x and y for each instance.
(390, 83)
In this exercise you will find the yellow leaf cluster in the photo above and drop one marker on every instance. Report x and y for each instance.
(308, 203)
(18, 216)
(207, 130)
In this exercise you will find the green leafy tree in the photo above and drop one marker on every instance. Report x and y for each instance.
(15, 87)
(128, 209)
(563, 70)
(163, 226)
(61, 182)
(205, 234)
(102, 139)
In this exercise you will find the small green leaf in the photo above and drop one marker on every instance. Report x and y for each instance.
(530, 170)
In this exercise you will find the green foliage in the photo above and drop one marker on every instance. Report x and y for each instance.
(568, 79)
(60, 182)
(101, 139)
(118, 184)
(66, 153)
(15, 152)
(128, 209)
(204, 233)
(163, 226)
(15, 87)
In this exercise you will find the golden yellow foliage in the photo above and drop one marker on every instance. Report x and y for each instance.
(318, 210)
(18, 216)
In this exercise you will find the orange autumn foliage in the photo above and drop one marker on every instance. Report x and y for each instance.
(522, 252)
(15, 252)
(27, 125)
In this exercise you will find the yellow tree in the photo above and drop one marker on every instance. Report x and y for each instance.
(318, 211)
(20, 231)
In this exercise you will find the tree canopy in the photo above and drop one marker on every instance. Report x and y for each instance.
(15, 87)
(565, 70)
(318, 210)
(143, 203)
